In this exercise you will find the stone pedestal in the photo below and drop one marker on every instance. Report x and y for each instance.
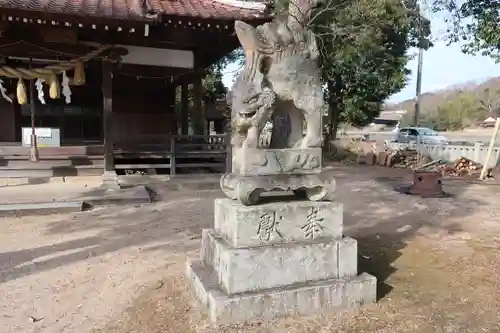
(256, 171)
(277, 259)
(110, 181)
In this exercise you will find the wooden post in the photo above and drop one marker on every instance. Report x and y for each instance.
(490, 149)
(107, 109)
(16, 107)
(34, 153)
(197, 117)
(172, 155)
(184, 108)
(170, 95)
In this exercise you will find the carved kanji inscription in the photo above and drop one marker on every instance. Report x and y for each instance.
(313, 229)
(268, 226)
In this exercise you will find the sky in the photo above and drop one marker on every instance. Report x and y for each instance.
(442, 66)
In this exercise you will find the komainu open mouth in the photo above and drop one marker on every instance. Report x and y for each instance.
(248, 113)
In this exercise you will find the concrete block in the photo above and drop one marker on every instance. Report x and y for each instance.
(313, 298)
(382, 158)
(254, 268)
(277, 222)
(361, 158)
(370, 158)
(129, 196)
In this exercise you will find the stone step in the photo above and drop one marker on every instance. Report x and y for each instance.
(192, 182)
(128, 196)
(263, 267)
(68, 171)
(45, 163)
(85, 150)
(299, 299)
(41, 208)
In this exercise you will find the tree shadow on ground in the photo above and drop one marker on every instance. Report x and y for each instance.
(174, 225)
(383, 220)
(378, 250)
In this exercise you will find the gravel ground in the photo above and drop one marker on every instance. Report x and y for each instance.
(121, 269)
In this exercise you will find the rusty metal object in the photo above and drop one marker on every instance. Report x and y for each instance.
(425, 184)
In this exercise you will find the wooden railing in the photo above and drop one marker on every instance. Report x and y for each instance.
(180, 152)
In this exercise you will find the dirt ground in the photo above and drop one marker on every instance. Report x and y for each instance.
(116, 270)
(47, 192)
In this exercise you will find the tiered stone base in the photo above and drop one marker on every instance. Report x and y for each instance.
(277, 259)
(300, 299)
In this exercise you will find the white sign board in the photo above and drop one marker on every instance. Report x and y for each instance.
(158, 57)
(46, 136)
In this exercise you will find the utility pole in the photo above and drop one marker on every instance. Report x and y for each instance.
(416, 116)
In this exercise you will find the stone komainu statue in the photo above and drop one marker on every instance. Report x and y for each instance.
(280, 57)
(280, 82)
(284, 257)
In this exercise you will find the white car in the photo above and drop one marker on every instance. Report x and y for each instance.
(420, 135)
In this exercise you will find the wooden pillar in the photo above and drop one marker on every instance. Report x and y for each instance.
(171, 98)
(197, 117)
(107, 109)
(184, 108)
(16, 107)
(171, 107)
(34, 153)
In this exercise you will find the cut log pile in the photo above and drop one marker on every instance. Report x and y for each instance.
(461, 167)
(409, 158)
(406, 158)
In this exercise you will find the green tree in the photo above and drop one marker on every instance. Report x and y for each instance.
(475, 23)
(214, 91)
(363, 54)
(213, 87)
(456, 112)
(490, 100)
(460, 111)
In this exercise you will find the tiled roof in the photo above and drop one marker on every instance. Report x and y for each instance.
(216, 9)
(119, 9)
(137, 9)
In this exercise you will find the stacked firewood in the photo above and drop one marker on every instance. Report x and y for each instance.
(410, 158)
(404, 158)
(461, 167)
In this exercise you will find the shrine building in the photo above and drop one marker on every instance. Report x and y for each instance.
(113, 85)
